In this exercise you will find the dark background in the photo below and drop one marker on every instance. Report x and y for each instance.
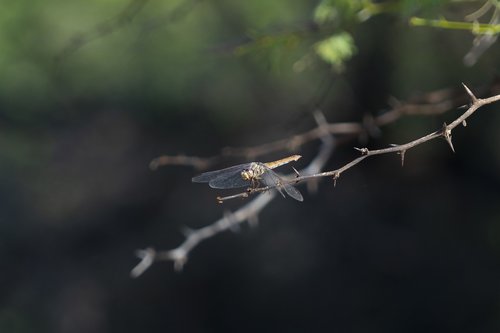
(89, 98)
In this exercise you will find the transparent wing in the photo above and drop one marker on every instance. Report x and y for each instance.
(293, 192)
(224, 178)
(270, 178)
(233, 181)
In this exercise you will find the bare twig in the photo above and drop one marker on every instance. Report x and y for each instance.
(483, 42)
(249, 212)
(179, 255)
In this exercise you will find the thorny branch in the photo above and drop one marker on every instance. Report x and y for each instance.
(249, 212)
(444, 132)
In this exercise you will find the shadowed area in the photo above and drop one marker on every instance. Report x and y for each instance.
(92, 92)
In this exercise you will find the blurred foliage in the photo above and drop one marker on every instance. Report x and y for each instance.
(336, 49)
(91, 91)
(131, 51)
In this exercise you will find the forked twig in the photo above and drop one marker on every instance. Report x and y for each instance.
(247, 213)
(250, 211)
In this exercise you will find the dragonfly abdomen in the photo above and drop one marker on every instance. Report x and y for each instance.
(283, 161)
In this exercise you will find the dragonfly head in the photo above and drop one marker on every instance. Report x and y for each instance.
(247, 174)
(253, 172)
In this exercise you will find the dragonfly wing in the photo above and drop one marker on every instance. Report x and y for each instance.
(233, 180)
(208, 176)
(293, 192)
(224, 178)
(270, 178)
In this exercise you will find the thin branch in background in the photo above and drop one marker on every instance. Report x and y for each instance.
(247, 213)
(482, 42)
(483, 10)
(179, 255)
(486, 33)
(433, 103)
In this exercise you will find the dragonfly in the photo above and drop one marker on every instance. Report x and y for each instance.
(251, 174)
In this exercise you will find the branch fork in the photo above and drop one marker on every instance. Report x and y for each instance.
(250, 211)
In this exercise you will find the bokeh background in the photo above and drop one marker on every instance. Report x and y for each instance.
(92, 91)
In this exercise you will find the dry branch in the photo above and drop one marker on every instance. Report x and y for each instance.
(250, 211)
(247, 213)
(444, 132)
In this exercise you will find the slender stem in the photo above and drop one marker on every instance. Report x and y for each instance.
(477, 28)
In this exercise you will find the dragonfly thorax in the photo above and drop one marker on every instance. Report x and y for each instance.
(253, 172)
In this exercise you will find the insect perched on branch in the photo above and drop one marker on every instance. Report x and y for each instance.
(251, 174)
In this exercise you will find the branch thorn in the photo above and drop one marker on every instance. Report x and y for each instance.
(402, 153)
(296, 172)
(464, 123)
(363, 151)
(469, 92)
(447, 136)
(178, 256)
(335, 177)
(179, 263)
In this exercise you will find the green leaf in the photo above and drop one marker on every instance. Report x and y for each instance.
(336, 49)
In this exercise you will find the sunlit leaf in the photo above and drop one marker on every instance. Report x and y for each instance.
(336, 50)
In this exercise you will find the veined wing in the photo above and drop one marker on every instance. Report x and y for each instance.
(224, 178)
(293, 192)
(270, 178)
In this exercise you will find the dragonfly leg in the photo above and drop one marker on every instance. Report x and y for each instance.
(255, 183)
